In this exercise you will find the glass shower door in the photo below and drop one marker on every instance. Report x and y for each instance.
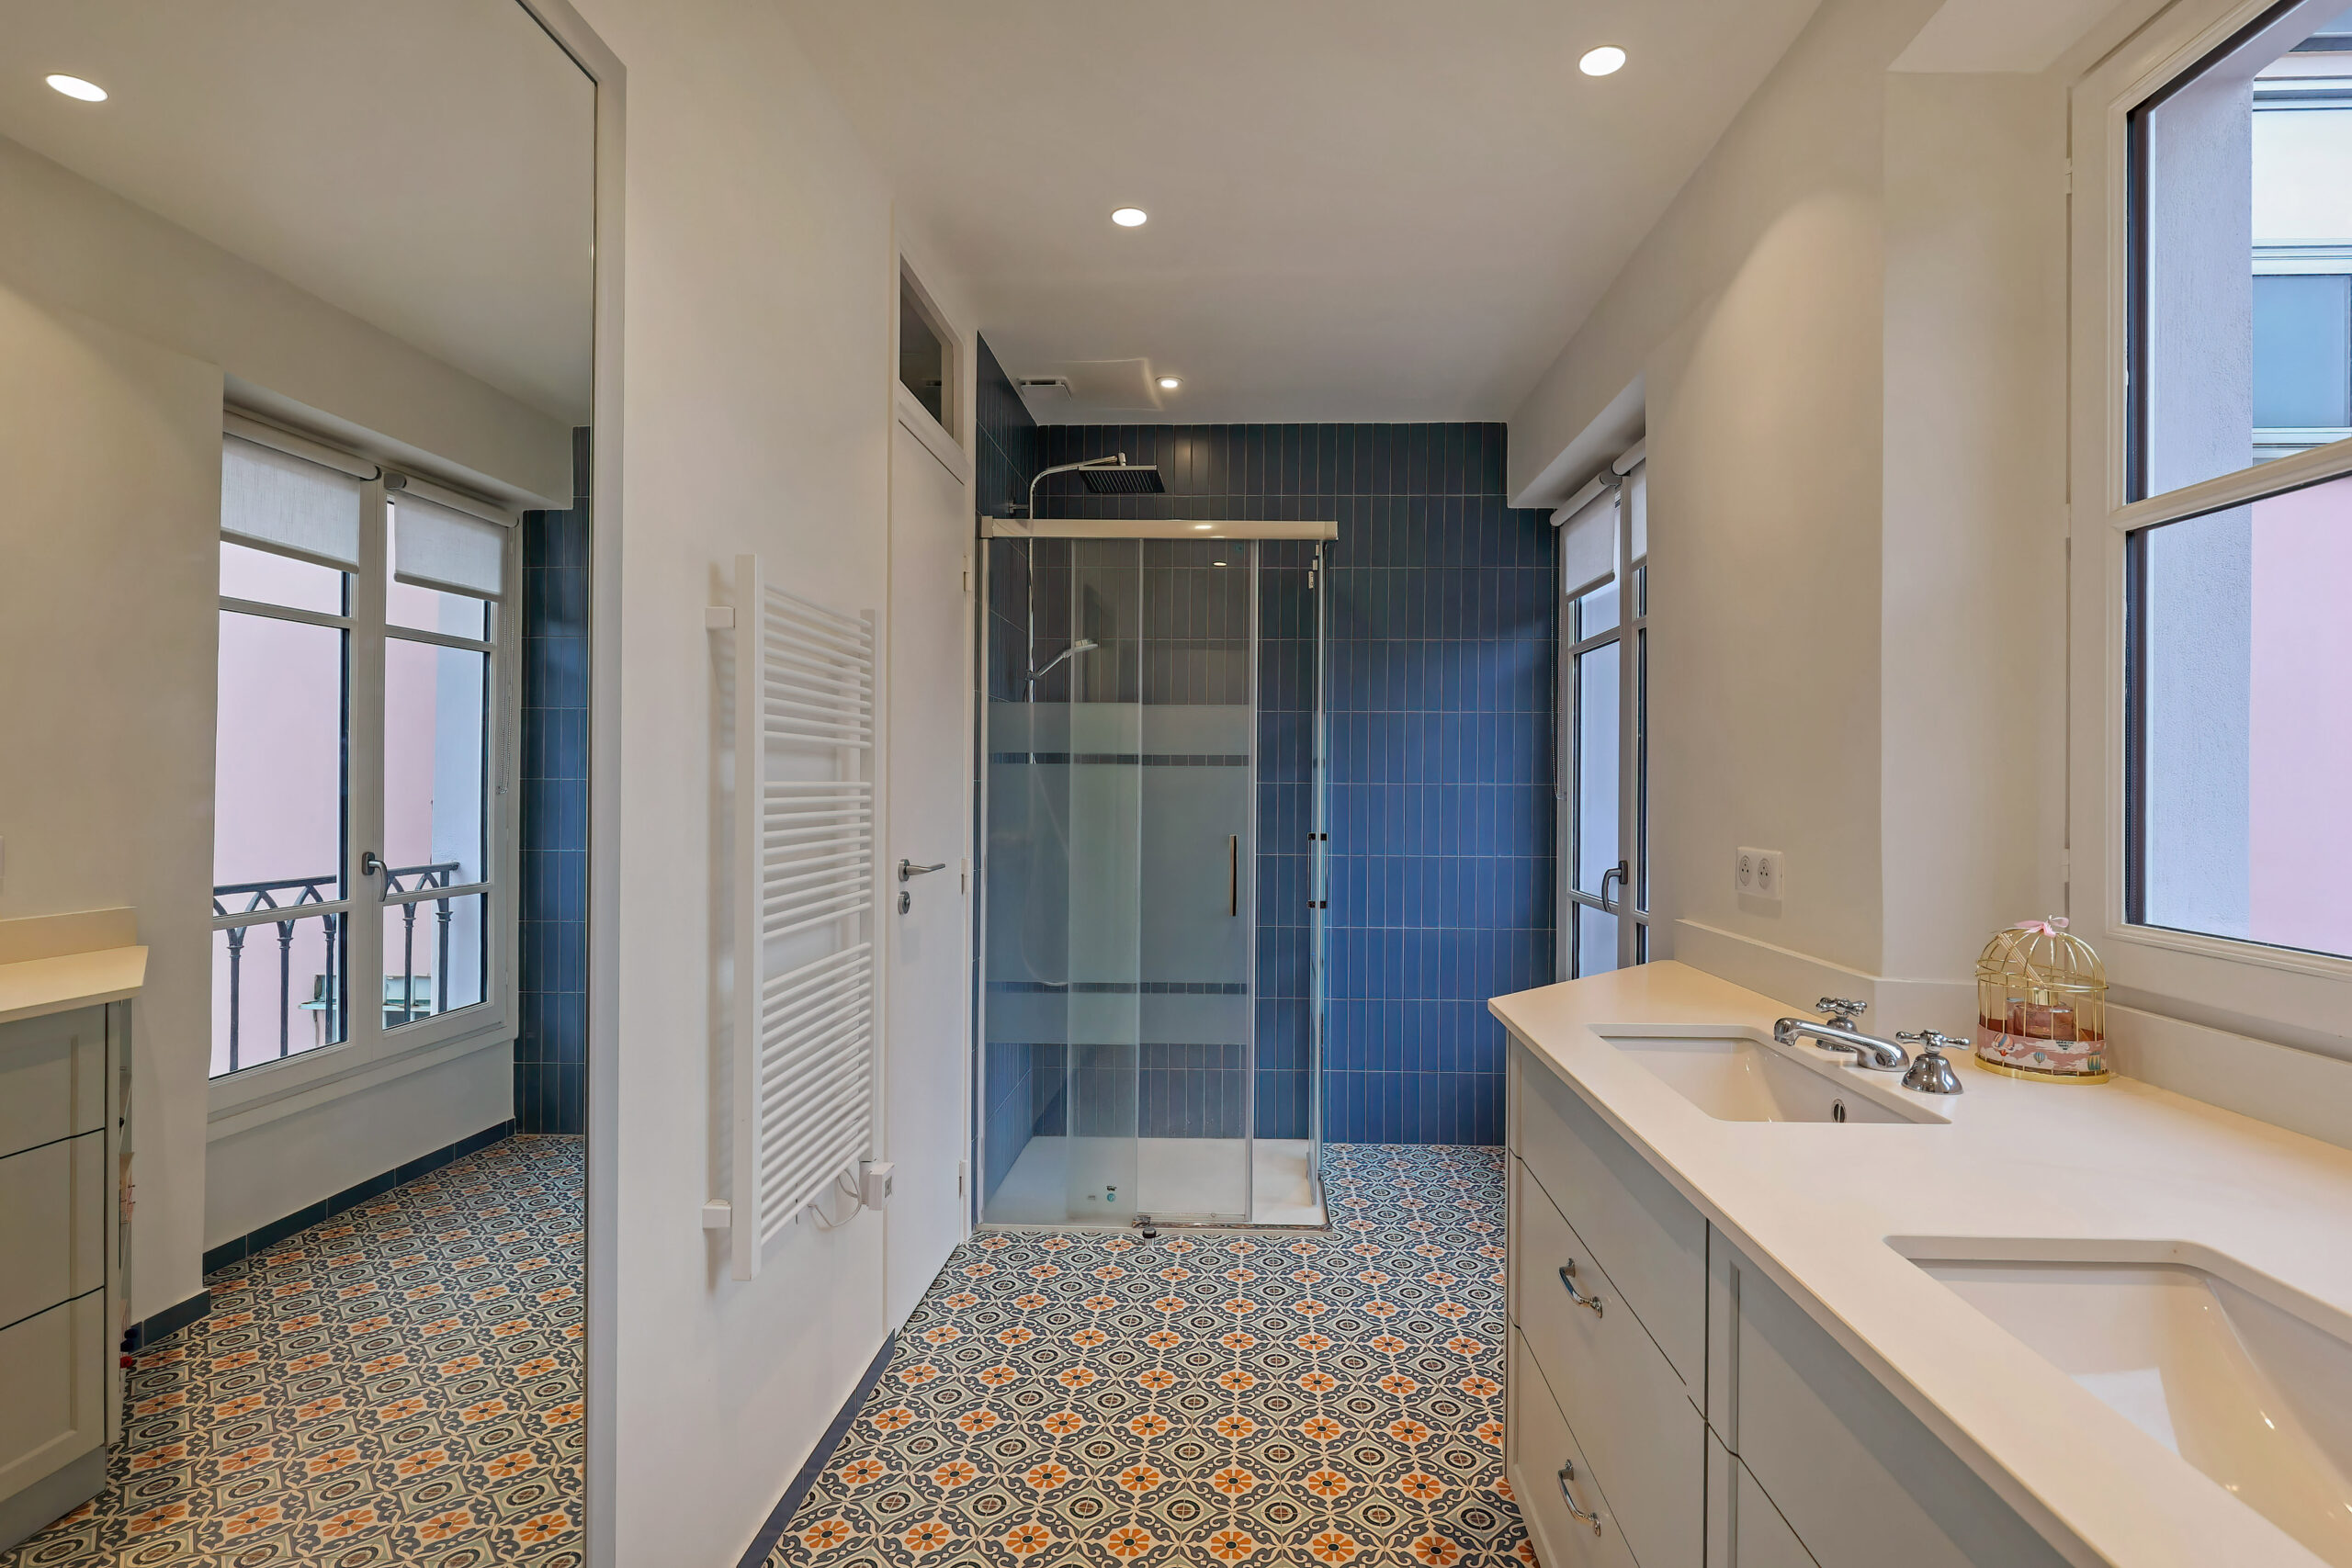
(1121, 882)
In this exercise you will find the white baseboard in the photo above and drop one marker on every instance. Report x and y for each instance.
(1800, 979)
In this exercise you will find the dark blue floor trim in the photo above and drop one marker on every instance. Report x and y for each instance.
(171, 1320)
(778, 1521)
(270, 1234)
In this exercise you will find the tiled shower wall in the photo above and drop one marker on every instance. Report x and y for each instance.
(550, 1043)
(1441, 643)
(1441, 649)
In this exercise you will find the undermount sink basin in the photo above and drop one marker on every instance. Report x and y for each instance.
(2249, 1381)
(1734, 1077)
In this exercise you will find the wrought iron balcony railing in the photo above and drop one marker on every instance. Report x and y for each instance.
(407, 995)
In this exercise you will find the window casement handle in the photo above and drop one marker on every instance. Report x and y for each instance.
(1620, 872)
(1591, 1517)
(1568, 1284)
(370, 866)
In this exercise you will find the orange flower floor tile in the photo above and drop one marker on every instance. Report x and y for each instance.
(397, 1384)
(1087, 1397)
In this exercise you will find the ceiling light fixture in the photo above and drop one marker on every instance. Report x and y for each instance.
(1203, 528)
(1169, 383)
(74, 87)
(1602, 62)
(1129, 217)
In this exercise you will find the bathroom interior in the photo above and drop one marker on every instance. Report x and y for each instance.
(1513, 784)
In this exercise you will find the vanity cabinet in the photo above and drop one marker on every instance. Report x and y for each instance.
(58, 1372)
(1708, 1421)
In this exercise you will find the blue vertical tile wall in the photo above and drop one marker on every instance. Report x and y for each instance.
(1441, 641)
(551, 1042)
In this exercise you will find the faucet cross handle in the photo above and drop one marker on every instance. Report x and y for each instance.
(1931, 1074)
(1842, 1012)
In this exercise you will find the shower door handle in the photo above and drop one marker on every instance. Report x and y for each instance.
(1233, 878)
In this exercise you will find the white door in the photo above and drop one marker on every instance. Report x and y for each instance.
(927, 913)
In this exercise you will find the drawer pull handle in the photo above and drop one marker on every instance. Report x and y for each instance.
(1568, 1284)
(1568, 1473)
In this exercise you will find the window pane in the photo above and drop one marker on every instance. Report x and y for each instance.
(435, 729)
(923, 360)
(278, 762)
(433, 957)
(1596, 942)
(1597, 612)
(2244, 165)
(1595, 781)
(277, 991)
(2241, 711)
(271, 579)
(2301, 351)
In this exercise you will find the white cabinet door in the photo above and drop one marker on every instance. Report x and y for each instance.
(53, 1366)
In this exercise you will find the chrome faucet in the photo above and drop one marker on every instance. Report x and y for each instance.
(1838, 1033)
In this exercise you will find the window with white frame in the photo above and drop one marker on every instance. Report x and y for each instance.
(2214, 693)
(1603, 790)
(363, 714)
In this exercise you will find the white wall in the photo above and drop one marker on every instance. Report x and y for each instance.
(67, 241)
(108, 584)
(121, 331)
(760, 294)
(1849, 330)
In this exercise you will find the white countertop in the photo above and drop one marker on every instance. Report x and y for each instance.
(38, 986)
(1815, 1203)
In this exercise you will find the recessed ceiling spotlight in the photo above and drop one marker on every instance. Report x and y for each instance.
(1169, 383)
(74, 87)
(1602, 62)
(1129, 217)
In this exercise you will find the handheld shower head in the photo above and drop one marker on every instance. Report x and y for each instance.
(1083, 645)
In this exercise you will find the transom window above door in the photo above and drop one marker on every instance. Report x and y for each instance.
(364, 711)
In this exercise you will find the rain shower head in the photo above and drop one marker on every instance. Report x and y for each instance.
(1124, 479)
(1104, 476)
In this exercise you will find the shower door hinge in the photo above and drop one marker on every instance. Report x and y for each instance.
(1319, 903)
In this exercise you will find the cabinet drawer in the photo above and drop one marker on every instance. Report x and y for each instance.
(53, 1366)
(1548, 1469)
(52, 1078)
(52, 1225)
(1629, 1411)
(1646, 1234)
(1859, 1478)
(1743, 1530)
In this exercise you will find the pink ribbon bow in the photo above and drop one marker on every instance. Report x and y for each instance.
(2050, 926)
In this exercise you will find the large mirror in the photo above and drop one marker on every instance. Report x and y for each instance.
(295, 362)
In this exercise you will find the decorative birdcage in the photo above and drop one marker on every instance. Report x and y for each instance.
(2042, 1005)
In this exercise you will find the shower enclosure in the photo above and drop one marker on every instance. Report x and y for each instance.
(1152, 889)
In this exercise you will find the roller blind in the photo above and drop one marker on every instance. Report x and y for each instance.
(439, 547)
(1588, 544)
(1637, 505)
(285, 504)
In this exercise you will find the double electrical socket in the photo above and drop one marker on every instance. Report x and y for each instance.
(1760, 873)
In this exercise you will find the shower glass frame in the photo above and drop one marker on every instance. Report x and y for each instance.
(1250, 537)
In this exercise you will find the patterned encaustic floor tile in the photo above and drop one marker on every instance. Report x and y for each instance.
(397, 1384)
(1088, 1398)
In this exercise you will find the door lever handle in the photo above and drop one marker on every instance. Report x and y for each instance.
(909, 869)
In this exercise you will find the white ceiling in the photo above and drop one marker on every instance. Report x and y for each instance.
(1360, 209)
(427, 165)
